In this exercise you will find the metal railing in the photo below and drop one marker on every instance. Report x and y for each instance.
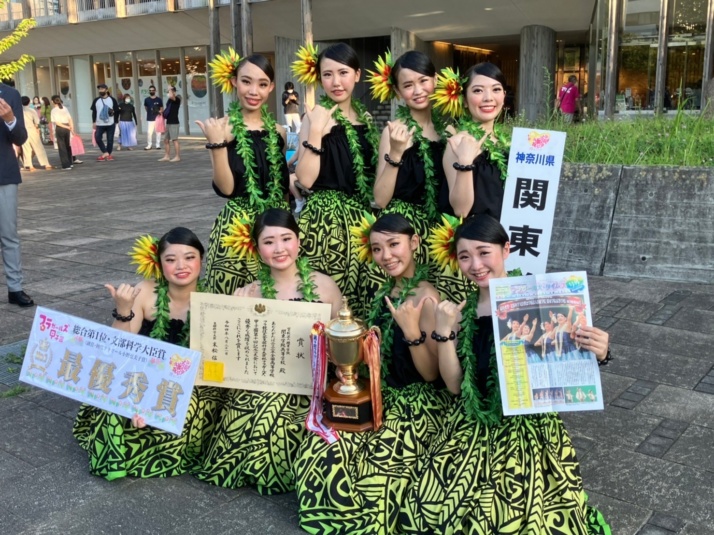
(145, 7)
(95, 10)
(10, 15)
(47, 12)
(192, 4)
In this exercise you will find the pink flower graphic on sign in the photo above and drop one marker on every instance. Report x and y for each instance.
(179, 365)
(538, 140)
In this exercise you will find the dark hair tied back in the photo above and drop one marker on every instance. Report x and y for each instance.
(274, 217)
(179, 236)
(481, 227)
(489, 70)
(341, 53)
(393, 224)
(415, 61)
(259, 61)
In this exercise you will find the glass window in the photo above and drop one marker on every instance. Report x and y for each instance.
(197, 81)
(638, 54)
(44, 84)
(148, 75)
(62, 80)
(685, 53)
(125, 72)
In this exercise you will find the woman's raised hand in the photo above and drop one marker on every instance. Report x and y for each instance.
(466, 148)
(407, 315)
(400, 138)
(216, 130)
(124, 297)
(138, 421)
(249, 290)
(448, 316)
(319, 118)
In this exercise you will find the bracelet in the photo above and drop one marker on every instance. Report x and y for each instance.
(392, 162)
(419, 341)
(607, 359)
(460, 167)
(439, 338)
(221, 145)
(313, 148)
(118, 317)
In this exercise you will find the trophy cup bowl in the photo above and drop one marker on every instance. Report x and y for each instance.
(348, 404)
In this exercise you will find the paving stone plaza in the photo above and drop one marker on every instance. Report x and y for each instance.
(647, 460)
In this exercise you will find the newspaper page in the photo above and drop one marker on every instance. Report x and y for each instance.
(541, 368)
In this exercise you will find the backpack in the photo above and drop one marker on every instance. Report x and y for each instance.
(104, 114)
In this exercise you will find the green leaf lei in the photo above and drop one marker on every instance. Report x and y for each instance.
(245, 151)
(364, 184)
(430, 193)
(306, 287)
(162, 319)
(497, 150)
(379, 313)
(487, 411)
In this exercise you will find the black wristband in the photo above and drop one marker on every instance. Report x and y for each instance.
(436, 336)
(419, 341)
(606, 360)
(392, 162)
(313, 148)
(221, 145)
(460, 167)
(124, 319)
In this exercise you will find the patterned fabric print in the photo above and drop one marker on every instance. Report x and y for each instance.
(224, 272)
(325, 240)
(118, 449)
(357, 484)
(452, 286)
(256, 441)
(519, 477)
(371, 276)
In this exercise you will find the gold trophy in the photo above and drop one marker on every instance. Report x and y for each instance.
(348, 404)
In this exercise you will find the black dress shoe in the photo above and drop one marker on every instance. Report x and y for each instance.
(20, 298)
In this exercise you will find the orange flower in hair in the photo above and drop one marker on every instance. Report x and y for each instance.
(381, 79)
(305, 67)
(448, 96)
(146, 254)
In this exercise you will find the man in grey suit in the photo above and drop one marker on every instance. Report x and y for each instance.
(12, 132)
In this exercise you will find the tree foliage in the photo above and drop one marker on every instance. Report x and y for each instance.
(20, 32)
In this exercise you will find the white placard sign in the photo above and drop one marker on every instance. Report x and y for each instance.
(114, 370)
(541, 368)
(534, 165)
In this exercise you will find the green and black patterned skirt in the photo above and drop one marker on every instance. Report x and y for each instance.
(518, 477)
(225, 271)
(325, 240)
(117, 449)
(256, 441)
(356, 485)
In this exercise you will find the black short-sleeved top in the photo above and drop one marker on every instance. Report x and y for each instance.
(259, 142)
(411, 179)
(488, 189)
(336, 169)
(173, 332)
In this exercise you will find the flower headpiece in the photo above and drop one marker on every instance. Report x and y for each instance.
(381, 79)
(360, 237)
(224, 67)
(305, 67)
(442, 247)
(146, 254)
(239, 240)
(448, 97)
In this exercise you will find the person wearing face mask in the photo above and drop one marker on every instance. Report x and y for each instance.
(127, 123)
(105, 115)
(153, 106)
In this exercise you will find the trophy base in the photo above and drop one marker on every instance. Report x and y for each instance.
(348, 413)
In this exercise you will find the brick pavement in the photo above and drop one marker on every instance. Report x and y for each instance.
(647, 460)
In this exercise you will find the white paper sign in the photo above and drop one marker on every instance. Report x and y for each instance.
(540, 366)
(534, 166)
(114, 370)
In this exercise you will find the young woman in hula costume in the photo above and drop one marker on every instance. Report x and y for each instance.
(410, 174)
(356, 485)
(476, 157)
(249, 167)
(336, 161)
(158, 308)
(258, 434)
(487, 473)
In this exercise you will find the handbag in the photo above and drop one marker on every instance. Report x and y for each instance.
(76, 144)
(160, 125)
